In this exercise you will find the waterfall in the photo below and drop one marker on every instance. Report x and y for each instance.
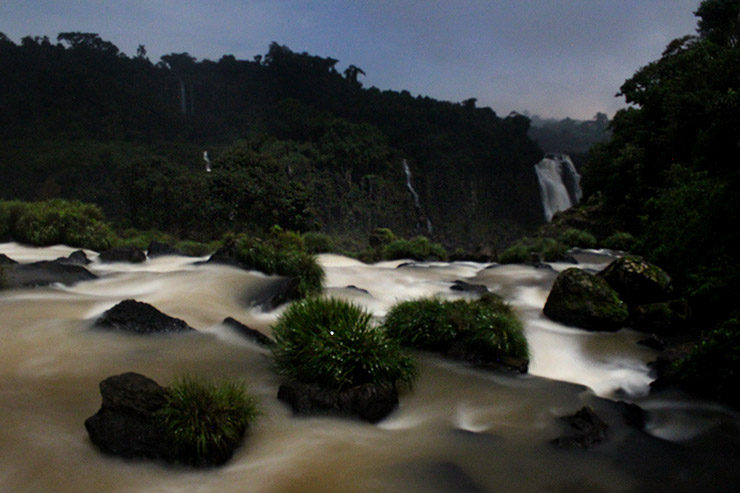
(207, 160)
(560, 183)
(415, 195)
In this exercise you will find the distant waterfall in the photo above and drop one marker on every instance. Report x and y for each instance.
(560, 183)
(207, 160)
(415, 195)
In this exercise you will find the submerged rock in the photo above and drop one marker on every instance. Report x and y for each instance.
(370, 402)
(466, 287)
(141, 318)
(126, 423)
(585, 300)
(637, 281)
(46, 272)
(248, 332)
(586, 429)
(123, 254)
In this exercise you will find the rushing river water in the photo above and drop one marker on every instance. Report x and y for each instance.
(459, 429)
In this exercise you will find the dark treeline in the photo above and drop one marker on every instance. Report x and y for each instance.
(294, 141)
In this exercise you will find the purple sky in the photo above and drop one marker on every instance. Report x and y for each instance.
(555, 58)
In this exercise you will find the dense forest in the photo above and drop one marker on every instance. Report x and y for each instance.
(293, 141)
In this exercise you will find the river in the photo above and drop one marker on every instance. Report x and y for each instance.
(458, 429)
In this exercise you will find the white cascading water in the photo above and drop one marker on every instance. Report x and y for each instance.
(560, 183)
(207, 160)
(417, 205)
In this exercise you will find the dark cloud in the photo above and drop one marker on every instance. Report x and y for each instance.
(552, 57)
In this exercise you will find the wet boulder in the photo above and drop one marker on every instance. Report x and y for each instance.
(126, 424)
(140, 318)
(253, 335)
(78, 257)
(585, 429)
(637, 281)
(369, 402)
(123, 254)
(466, 287)
(584, 300)
(5, 260)
(158, 249)
(46, 272)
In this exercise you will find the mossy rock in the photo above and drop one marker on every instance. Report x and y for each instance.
(637, 281)
(584, 300)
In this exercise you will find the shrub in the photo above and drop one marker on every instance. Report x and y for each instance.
(316, 242)
(527, 249)
(380, 237)
(141, 239)
(275, 256)
(577, 238)
(620, 241)
(205, 420)
(197, 248)
(515, 254)
(418, 248)
(485, 328)
(332, 343)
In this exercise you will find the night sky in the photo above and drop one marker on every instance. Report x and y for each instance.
(555, 58)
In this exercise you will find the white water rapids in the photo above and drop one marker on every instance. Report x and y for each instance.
(458, 429)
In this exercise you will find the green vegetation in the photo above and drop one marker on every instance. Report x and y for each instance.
(577, 238)
(620, 241)
(280, 254)
(315, 242)
(206, 420)
(55, 221)
(534, 249)
(332, 343)
(486, 328)
(417, 248)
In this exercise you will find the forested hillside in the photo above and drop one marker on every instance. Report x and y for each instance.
(293, 141)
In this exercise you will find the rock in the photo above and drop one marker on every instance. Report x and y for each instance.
(637, 281)
(653, 342)
(665, 318)
(475, 356)
(5, 260)
(248, 332)
(370, 402)
(465, 287)
(586, 429)
(78, 257)
(123, 254)
(355, 288)
(140, 318)
(157, 249)
(46, 272)
(126, 424)
(585, 300)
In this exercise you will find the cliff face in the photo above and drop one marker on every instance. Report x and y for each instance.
(343, 144)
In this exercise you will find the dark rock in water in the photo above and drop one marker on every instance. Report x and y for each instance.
(586, 429)
(248, 332)
(355, 288)
(477, 356)
(653, 342)
(273, 294)
(46, 272)
(465, 287)
(370, 402)
(156, 249)
(141, 318)
(126, 424)
(666, 317)
(78, 257)
(633, 415)
(637, 281)
(5, 260)
(123, 254)
(584, 300)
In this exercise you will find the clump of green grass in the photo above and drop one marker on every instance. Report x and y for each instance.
(577, 238)
(417, 248)
(204, 420)
(486, 329)
(332, 343)
(283, 257)
(529, 249)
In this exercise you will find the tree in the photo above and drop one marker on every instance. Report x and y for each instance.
(719, 21)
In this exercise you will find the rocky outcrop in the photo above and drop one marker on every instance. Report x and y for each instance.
(637, 281)
(46, 272)
(140, 318)
(585, 300)
(126, 424)
(248, 332)
(123, 254)
(78, 257)
(369, 402)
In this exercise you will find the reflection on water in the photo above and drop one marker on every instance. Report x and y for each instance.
(459, 429)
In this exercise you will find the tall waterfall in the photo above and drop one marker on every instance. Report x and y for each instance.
(207, 160)
(415, 195)
(560, 183)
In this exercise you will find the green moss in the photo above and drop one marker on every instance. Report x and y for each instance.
(206, 420)
(332, 343)
(487, 329)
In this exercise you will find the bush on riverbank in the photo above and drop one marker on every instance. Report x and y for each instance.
(55, 221)
(332, 343)
(206, 420)
(484, 331)
(418, 248)
(534, 249)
